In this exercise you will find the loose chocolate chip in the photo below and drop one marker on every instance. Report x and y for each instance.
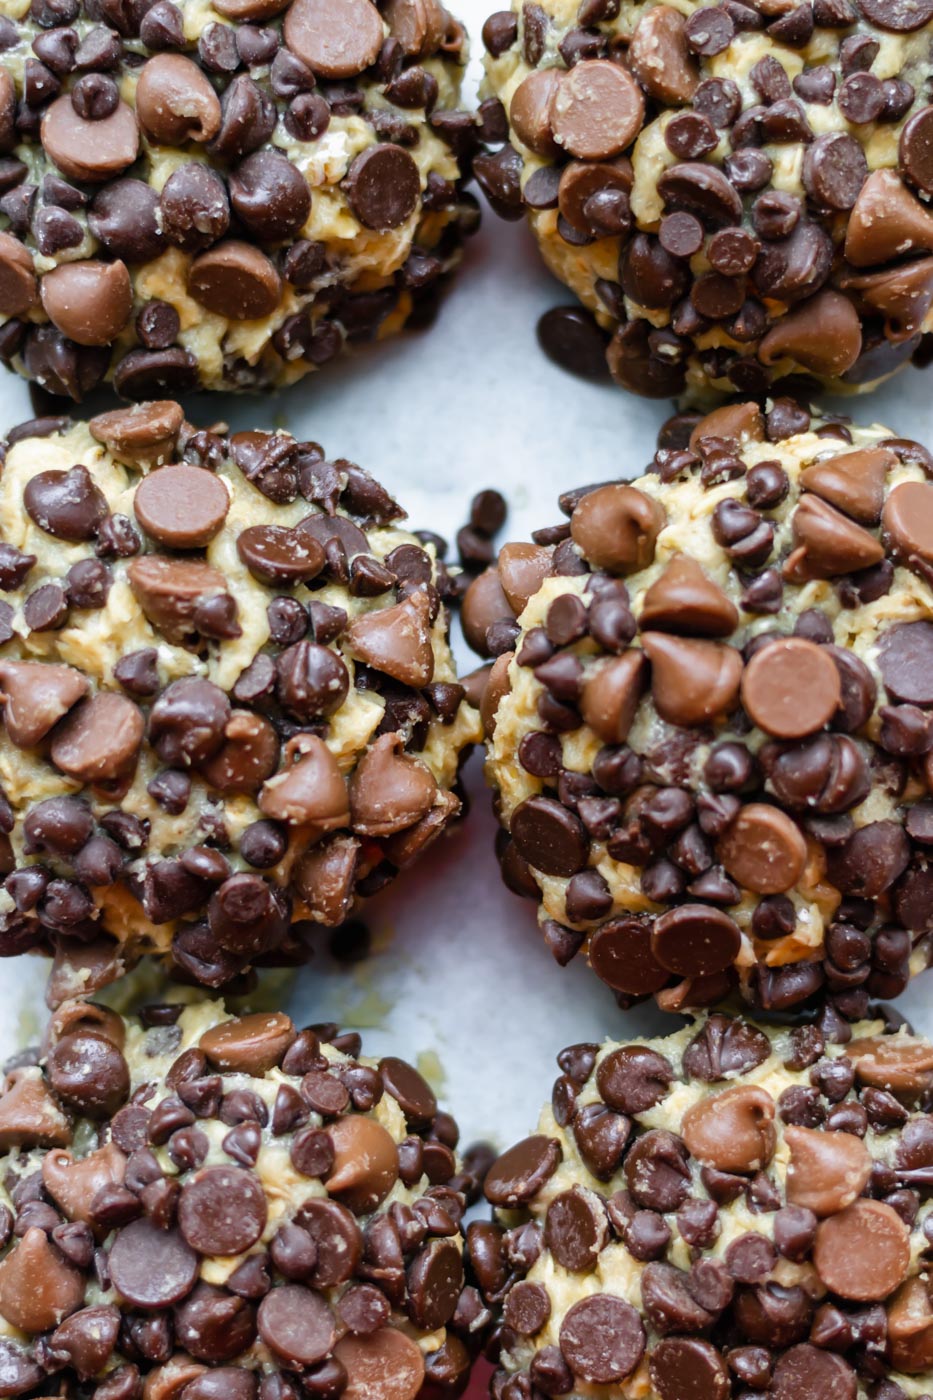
(572, 338)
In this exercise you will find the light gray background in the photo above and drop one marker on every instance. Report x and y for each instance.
(462, 974)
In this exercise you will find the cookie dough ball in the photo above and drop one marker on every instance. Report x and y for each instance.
(738, 193)
(223, 196)
(229, 704)
(711, 716)
(734, 1210)
(195, 1206)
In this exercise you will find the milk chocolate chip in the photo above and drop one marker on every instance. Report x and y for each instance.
(828, 542)
(732, 1131)
(598, 110)
(335, 38)
(18, 286)
(616, 528)
(692, 681)
(389, 790)
(907, 520)
(38, 1287)
(251, 1044)
(35, 695)
(365, 1163)
(175, 101)
(90, 302)
(396, 641)
(791, 688)
(310, 790)
(660, 58)
(181, 507)
(827, 1171)
(763, 849)
(863, 1252)
(610, 693)
(100, 740)
(89, 151)
(853, 482)
(684, 599)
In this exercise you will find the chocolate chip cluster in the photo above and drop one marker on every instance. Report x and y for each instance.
(223, 197)
(200, 1206)
(738, 192)
(229, 706)
(710, 716)
(733, 1210)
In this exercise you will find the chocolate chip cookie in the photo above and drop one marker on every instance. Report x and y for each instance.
(710, 716)
(734, 1210)
(223, 197)
(201, 1205)
(739, 192)
(229, 704)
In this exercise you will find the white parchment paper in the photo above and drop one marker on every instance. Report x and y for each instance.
(460, 980)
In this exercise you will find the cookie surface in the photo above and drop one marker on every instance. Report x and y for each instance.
(739, 193)
(229, 702)
(710, 726)
(201, 1204)
(222, 197)
(733, 1210)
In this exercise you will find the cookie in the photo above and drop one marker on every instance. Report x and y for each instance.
(223, 197)
(201, 1205)
(738, 193)
(710, 716)
(733, 1210)
(230, 710)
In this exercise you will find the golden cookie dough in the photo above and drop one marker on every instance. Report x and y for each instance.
(737, 194)
(710, 716)
(229, 703)
(733, 1210)
(197, 1204)
(223, 196)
